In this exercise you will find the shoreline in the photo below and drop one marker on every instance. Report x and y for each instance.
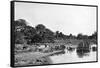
(33, 59)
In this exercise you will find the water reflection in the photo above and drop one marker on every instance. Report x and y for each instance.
(75, 54)
(83, 49)
(82, 54)
(94, 48)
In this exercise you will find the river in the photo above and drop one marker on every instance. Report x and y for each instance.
(72, 56)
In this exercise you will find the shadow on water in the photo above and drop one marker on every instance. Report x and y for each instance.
(83, 49)
(94, 49)
(81, 54)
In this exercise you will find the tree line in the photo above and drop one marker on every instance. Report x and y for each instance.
(25, 33)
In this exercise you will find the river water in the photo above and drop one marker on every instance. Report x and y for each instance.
(72, 56)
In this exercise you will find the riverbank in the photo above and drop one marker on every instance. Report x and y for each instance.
(34, 58)
(36, 55)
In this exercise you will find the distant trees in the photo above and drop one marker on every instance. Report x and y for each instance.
(46, 34)
(79, 36)
(40, 27)
(94, 35)
(36, 38)
(59, 35)
(19, 26)
(23, 32)
(29, 31)
(41, 34)
(28, 34)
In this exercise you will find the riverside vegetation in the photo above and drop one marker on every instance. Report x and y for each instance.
(33, 45)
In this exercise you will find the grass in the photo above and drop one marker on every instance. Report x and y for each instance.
(32, 56)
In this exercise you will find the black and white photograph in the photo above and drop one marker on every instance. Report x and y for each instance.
(53, 33)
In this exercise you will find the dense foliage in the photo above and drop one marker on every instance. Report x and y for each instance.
(25, 33)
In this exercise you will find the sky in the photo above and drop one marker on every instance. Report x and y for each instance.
(64, 18)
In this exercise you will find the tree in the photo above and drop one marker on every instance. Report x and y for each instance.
(60, 35)
(20, 22)
(79, 36)
(57, 34)
(70, 36)
(19, 37)
(85, 37)
(94, 35)
(19, 26)
(29, 31)
(23, 32)
(48, 35)
(40, 27)
(36, 39)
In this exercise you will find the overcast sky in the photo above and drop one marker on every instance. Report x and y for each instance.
(64, 18)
